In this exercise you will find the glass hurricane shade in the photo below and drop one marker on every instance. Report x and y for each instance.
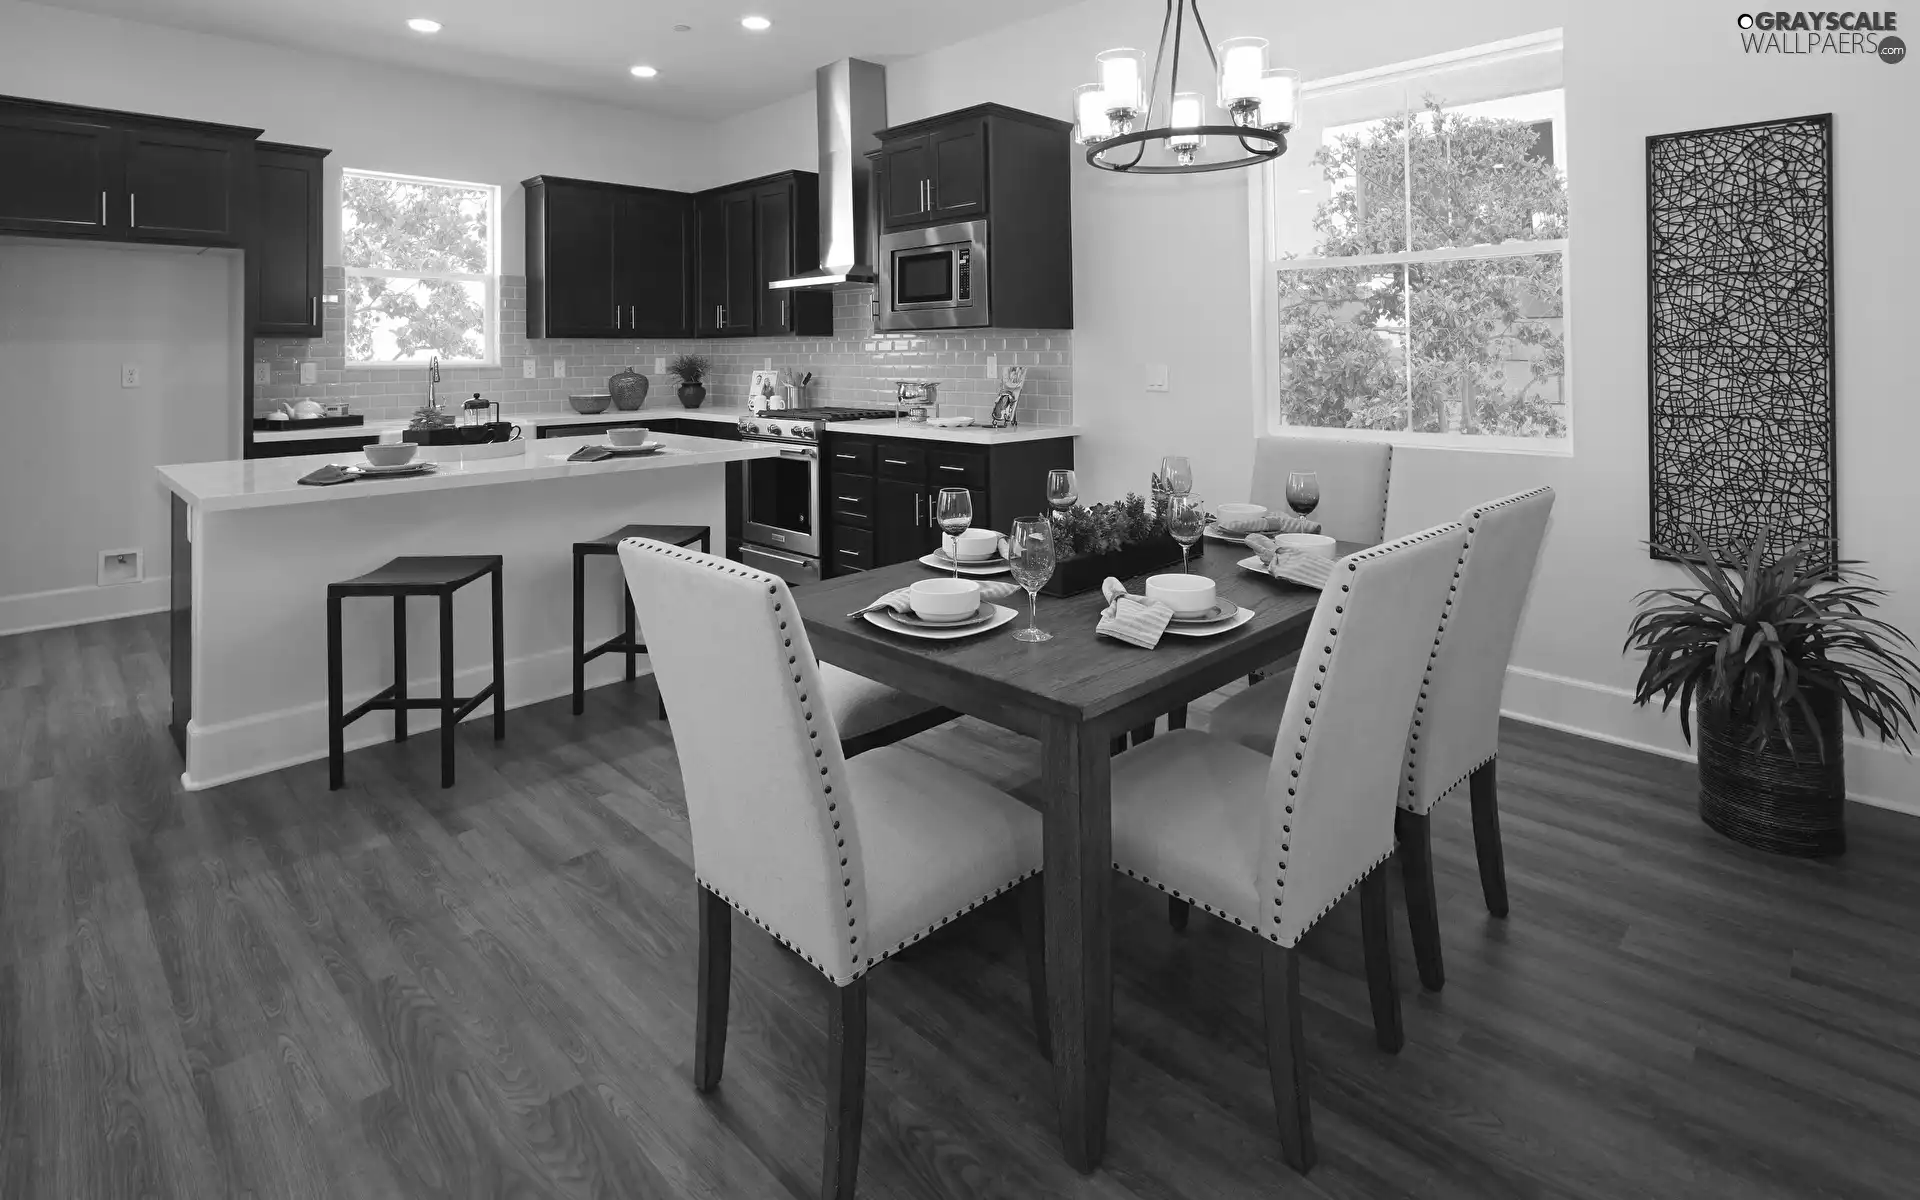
(1279, 98)
(1120, 79)
(1242, 62)
(1189, 112)
(1090, 120)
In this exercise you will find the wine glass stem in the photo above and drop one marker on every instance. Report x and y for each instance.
(1183, 560)
(1033, 608)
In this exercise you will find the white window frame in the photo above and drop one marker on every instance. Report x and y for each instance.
(491, 278)
(1266, 263)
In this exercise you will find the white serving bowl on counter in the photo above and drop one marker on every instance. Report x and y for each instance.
(635, 435)
(1309, 543)
(1186, 595)
(944, 599)
(390, 454)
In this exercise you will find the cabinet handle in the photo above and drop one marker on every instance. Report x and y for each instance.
(851, 553)
(315, 320)
(719, 315)
(844, 456)
(616, 316)
(783, 310)
(103, 209)
(894, 462)
(917, 498)
(851, 499)
(131, 222)
(947, 468)
(632, 321)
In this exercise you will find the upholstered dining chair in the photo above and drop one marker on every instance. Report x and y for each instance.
(1270, 841)
(845, 862)
(1455, 733)
(1353, 482)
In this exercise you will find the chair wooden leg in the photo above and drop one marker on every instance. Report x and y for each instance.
(715, 986)
(499, 661)
(1484, 793)
(336, 701)
(1033, 931)
(846, 1089)
(1143, 734)
(1178, 911)
(1376, 931)
(1414, 832)
(579, 632)
(626, 599)
(1118, 745)
(1177, 719)
(1287, 1053)
(399, 668)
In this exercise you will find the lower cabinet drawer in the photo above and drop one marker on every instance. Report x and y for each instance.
(852, 549)
(901, 460)
(956, 468)
(850, 498)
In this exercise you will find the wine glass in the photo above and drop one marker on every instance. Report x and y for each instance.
(1186, 517)
(1176, 475)
(1303, 491)
(1062, 490)
(955, 516)
(1030, 552)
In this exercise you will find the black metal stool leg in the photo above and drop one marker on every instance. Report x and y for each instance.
(447, 706)
(399, 668)
(336, 732)
(499, 662)
(579, 631)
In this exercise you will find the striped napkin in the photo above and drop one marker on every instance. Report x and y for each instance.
(1271, 523)
(1294, 566)
(896, 601)
(1131, 618)
(590, 454)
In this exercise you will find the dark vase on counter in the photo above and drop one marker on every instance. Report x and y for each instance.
(628, 389)
(693, 395)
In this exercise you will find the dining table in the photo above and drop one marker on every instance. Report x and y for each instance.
(1079, 695)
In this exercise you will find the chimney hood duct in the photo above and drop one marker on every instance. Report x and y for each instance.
(851, 96)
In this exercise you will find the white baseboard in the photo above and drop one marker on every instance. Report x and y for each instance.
(263, 742)
(82, 605)
(1883, 776)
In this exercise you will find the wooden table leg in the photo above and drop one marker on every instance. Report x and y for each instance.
(1075, 781)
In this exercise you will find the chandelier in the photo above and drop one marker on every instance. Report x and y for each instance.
(1114, 118)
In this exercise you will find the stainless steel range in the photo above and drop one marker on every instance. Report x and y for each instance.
(784, 501)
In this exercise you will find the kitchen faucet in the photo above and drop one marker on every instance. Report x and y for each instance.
(431, 416)
(433, 377)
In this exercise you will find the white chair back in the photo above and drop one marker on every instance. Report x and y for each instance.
(1353, 482)
(759, 754)
(1457, 723)
(1330, 797)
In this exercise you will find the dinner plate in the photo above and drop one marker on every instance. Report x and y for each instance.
(1217, 534)
(406, 468)
(642, 448)
(980, 615)
(892, 624)
(1253, 563)
(988, 566)
(1221, 610)
(1234, 622)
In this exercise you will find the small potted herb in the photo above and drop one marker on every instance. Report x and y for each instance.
(1120, 540)
(1773, 656)
(690, 370)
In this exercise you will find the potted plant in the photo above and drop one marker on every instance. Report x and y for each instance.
(1120, 539)
(690, 369)
(1773, 656)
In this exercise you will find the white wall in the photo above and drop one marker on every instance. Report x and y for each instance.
(77, 458)
(372, 116)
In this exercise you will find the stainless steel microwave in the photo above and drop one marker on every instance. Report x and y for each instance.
(934, 278)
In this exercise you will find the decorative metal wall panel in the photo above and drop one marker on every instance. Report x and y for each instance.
(1740, 363)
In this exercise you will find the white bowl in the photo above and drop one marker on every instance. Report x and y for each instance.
(973, 545)
(390, 454)
(944, 599)
(1186, 595)
(636, 435)
(1310, 543)
(1229, 513)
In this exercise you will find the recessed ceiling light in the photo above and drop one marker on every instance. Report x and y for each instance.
(642, 72)
(756, 23)
(424, 25)
(683, 29)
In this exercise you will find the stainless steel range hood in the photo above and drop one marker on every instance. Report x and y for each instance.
(851, 96)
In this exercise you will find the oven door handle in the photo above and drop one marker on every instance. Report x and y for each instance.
(765, 553)
(809, 455)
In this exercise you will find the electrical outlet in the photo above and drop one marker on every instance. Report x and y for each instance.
(659, 366)
(993, 367)
(262, 371)
(119, 566)
(309, 372)
(766, 364)
(1156, 377)
(129, 375)
(529, 368)
(559, 368)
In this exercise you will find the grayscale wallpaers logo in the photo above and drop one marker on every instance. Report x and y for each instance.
(1868, 34)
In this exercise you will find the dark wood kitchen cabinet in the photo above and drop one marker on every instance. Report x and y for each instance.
(750, 235)
(936, 176)
(606, 261)
(882, 493)
(288, 236)
(79, 172)
(727, 266)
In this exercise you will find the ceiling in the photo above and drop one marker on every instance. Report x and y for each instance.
(584, 47)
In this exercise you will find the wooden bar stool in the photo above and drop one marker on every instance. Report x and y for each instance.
(627, 641)
(433, 575)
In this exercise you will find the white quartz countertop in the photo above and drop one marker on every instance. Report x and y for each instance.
(389, 430)
(270, 482)
(976, 435)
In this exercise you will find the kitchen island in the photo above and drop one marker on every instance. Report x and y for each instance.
(254, 551)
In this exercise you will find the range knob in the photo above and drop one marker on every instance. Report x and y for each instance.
(750, 426)
(805, 431)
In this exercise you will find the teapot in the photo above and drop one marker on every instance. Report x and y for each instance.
(305, 410)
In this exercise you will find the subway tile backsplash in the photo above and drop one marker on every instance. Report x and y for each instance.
(856, 366)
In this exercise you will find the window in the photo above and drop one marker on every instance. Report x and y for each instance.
(1413, 281)
(421, 261)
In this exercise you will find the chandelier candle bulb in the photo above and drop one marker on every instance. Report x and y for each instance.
(1188, 114)
(1091, 123)
(1120, 80)
(1279, 98)
(1242, 62)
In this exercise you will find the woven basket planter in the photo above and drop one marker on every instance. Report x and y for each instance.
(1768, 798)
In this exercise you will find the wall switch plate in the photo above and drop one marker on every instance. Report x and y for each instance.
(993, 367)
(1156, 377)
(559, 368)
(119, 566)
(529, 368)
(262, 371)
(659, 366)
(129, 375)
(766, 364)
(309, 372)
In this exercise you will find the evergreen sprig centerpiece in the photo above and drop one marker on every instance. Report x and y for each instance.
(1121, 539)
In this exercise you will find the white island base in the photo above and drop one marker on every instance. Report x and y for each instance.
(249, 622)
